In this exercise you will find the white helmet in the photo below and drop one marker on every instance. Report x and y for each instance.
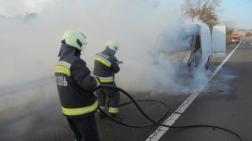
(74, 38)
(113, 45)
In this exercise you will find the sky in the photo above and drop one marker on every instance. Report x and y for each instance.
(238, 11)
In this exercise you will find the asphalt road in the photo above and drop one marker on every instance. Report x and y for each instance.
(225, 103)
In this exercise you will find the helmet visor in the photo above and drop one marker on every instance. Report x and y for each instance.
(83, 49)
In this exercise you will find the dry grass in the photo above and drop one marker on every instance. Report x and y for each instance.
(229, 38)
(248, 37)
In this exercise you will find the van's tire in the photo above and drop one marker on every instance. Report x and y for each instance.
(207, 64)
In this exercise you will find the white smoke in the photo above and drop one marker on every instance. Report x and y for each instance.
(30, 45)
(13, 8)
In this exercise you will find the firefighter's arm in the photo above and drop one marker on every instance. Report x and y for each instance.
(81, 74)
(115, 65)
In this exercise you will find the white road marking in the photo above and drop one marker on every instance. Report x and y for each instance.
(174, 116)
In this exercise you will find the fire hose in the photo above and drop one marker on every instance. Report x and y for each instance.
(153, 121)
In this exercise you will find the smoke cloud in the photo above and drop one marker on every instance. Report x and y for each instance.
(31, 33)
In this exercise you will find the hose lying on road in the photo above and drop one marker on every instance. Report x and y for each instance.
(157, 122)
(141, 126)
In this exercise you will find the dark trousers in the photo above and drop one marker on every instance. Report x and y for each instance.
(112, 94)
(84, 128)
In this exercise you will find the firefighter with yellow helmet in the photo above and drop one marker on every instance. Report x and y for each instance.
(106, 65)
(75, 86)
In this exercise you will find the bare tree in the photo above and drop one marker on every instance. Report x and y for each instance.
(230, 26)
(205, 10)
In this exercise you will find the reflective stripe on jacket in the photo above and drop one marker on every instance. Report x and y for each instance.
(106, 79)
(80, 111)
(63, 67)
(103, 60)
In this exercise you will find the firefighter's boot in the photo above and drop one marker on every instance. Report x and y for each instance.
(100, 115)
(116, 116)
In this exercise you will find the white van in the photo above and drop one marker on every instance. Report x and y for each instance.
(192, 45)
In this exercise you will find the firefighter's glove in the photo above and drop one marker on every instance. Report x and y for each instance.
(98, 83)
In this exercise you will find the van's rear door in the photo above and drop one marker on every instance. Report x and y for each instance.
(219, 41)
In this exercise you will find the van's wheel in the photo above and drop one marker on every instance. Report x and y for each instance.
(207, 64)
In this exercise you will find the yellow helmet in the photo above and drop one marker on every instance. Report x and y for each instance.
(74, 38)
(113, 45)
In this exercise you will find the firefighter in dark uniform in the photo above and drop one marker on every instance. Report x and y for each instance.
(76, 86)
(106, 65)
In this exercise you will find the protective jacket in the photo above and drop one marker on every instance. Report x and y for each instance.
(105, 65)
(75, 84)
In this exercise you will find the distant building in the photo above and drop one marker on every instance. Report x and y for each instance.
(242, 32)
